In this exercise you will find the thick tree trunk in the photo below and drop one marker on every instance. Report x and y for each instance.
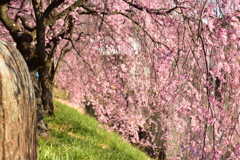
(18, 133)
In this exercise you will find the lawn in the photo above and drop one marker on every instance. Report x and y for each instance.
(80, 137)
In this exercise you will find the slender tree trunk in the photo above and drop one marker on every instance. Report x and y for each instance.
(43, 130)
(47, 87)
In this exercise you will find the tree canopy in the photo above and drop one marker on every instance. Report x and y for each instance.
(166, 68)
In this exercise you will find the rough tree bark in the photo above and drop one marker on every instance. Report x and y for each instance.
(18, 133)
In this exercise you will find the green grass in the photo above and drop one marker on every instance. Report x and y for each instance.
(81, 137)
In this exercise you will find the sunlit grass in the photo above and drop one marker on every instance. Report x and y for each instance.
(81, 137)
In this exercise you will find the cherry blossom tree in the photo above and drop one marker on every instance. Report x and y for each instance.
(26, 23)
(167, 78)
(163, 74)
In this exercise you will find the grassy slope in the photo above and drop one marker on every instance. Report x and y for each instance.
(79, 137)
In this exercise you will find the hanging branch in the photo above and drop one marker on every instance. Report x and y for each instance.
(161, 11)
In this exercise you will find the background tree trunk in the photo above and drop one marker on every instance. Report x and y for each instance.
(47, 87)
(42, 126)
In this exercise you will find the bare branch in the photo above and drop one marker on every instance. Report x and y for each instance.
(51, 7)
(25, 24)
(78, 3)
(64, 51)
(79, 54)
(11, 26)
(161, 11)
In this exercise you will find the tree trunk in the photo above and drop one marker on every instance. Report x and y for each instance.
(43, 130)
(28, 51)
(34, 59)
(46, 80)
(18, 133)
